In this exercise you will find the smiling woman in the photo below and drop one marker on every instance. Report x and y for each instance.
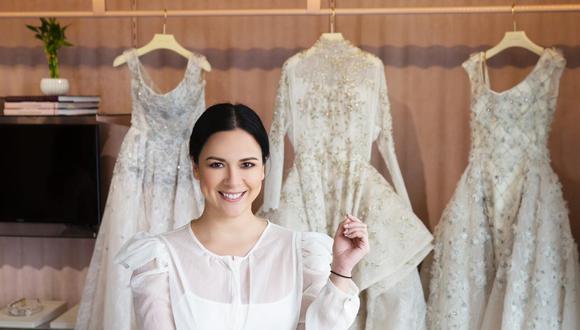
(230, 269)
(229, 149)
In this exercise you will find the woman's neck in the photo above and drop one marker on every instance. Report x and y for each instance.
(228, 236)
(213, 223)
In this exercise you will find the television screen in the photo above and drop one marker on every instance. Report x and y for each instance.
(49, 174)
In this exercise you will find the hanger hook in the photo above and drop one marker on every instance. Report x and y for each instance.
(332, 15)
(164, 19)
(514, 15)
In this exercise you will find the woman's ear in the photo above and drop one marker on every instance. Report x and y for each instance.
(195, 171)
(263, 170)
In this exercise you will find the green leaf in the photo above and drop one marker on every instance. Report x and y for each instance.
(52, 35)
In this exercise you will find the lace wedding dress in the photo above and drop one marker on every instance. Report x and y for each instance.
(504, 254)
(332, 103)
(152, 189)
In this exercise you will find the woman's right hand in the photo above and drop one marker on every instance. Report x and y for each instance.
(351, 244)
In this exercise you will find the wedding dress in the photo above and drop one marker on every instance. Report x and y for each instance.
(504, 254)
(332, 103)
(152, 188)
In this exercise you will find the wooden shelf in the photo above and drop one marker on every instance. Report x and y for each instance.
(56, 230)
(50, 120)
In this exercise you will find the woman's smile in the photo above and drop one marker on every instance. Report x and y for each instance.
(232, 197)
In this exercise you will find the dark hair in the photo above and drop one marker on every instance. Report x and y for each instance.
(227, 117)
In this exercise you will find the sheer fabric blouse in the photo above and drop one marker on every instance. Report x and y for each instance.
(282, 283)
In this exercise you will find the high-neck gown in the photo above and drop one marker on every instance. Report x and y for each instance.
(332, 104)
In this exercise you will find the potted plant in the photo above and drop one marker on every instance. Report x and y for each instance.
(52, 35)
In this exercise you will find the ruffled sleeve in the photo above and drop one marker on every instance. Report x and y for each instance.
(147, 257)
(324, 306)
(280, 124)
(141, 249)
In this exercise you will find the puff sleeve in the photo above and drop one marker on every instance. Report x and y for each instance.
(147, 257)
(385, 142)
(280, 124)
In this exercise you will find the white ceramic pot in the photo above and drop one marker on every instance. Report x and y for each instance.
(52, 86)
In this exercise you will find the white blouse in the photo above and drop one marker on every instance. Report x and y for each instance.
(282, 283)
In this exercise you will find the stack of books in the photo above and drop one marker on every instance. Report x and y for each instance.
(51, 105)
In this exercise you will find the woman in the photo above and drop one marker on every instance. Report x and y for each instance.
(230, 269)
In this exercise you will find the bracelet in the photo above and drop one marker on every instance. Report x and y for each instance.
(340, 275)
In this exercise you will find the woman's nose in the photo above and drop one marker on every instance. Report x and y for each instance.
(233, 176)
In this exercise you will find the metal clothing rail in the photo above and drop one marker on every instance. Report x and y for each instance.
(313, 8)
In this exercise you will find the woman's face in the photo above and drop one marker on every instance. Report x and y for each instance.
(230, 172)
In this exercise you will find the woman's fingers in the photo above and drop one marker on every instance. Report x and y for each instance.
(356, 233)
(354, 225)
(353, 245)
(341, 227)
(351, 224)
(353, 218)
(353, 228)
(360, 240)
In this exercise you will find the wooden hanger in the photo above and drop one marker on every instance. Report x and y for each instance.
(514, 39)
(164, 41)
(332, 35)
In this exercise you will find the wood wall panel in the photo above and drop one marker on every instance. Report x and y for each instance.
(428, 89)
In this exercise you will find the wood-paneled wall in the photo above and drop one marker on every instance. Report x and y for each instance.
(428, 89)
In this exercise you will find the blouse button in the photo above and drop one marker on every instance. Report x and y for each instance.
(347, 302)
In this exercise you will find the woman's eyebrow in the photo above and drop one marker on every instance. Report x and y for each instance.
(223, 160)
(215, 158)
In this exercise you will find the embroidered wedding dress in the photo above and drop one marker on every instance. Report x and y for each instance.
(152, 189)
(504, 254)
(332, 103)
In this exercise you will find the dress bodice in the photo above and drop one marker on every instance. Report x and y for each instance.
(332, 103)
(512, 126)
(166, 117)
(335, 89)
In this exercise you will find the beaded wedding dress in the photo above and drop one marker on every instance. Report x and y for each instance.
(504, 254)
(152, 189)
(332, 103)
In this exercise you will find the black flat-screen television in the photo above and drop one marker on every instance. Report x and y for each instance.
(49, 174)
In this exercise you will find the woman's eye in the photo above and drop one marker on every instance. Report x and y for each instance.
(216, 165)
(248, 165)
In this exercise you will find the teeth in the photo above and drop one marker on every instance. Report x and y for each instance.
(232, 196)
